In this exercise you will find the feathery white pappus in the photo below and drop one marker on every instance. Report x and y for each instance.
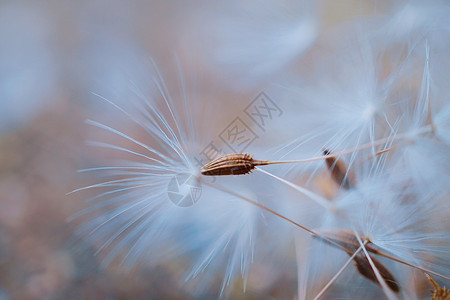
(156, 207)
(366, 206)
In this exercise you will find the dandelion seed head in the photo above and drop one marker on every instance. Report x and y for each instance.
(154, 205)
(403, 221)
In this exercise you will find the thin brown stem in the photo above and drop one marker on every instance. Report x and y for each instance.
(225, 190)
(424, 129)
(410, 265)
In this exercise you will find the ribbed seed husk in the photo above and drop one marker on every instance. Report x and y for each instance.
(232, 164)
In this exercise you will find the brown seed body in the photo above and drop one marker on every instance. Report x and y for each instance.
(365, 269)
(231, 164)
(339, 171)
(347, 240)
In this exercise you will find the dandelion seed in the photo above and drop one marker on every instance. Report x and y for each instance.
(407, 229)
(348, 242)
(365, 269)
(143, 207)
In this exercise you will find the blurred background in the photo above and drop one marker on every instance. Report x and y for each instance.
(56, 55)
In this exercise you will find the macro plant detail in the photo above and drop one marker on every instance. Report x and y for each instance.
(348, 184)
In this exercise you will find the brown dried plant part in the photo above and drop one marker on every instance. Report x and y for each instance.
(232, 164)
(365, 269)
(326, 186)
(386, 150)
(339, 171)
(439, 293)
(347, 241)
(345, 238)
